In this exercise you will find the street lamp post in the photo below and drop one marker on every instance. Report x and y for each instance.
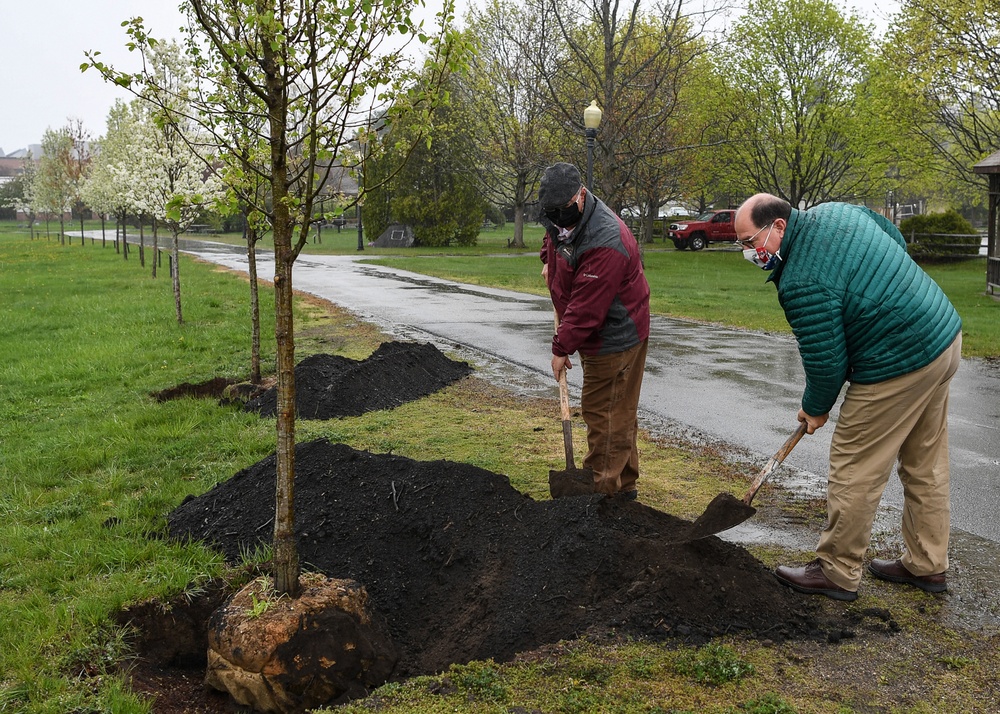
(591, 120)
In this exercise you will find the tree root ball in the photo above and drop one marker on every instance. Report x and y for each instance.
(281, 654)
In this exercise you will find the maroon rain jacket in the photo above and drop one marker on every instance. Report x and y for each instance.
(597, 284)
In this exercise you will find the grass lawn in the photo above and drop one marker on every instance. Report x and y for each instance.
(90, 465)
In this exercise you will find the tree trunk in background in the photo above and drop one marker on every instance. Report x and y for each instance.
(251, 238)
(156, 246)
(142, 244)
(175, 273)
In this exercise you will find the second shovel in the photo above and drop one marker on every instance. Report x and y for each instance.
(726, 511)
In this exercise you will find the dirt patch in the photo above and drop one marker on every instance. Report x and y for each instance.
(460, 564)
(464, 567)
(211, 389)
(331, 386)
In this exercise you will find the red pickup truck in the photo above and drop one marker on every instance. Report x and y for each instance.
(709, 227)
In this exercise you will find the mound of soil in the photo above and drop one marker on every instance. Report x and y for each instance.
(210, 388)
(331, 386)
(465, 567)
(457, 562)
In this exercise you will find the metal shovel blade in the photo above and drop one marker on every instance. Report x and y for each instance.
(726, 511)
(571, 482)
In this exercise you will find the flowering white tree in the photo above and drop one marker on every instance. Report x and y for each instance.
(177, 164)
(26, 203)
(53, 182)
(161, 158)
(113, 182)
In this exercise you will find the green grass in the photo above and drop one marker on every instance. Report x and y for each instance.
(717, 286)
(90, 466)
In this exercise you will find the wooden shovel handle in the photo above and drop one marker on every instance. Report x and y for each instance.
(566, 425)
(775, 461)
(564, 409)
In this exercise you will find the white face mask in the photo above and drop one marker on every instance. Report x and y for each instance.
(761, 257)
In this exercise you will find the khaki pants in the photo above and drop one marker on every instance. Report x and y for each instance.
(906, 420)
(610, 404)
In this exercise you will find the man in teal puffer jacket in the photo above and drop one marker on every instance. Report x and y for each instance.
(863, 312)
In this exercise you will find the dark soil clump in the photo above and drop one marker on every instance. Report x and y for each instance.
(331, 386)
(212, 388)
(464, 567)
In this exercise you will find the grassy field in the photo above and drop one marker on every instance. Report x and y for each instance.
(90, 466)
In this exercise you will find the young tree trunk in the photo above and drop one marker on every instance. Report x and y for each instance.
(125, 237)
(82, 237)
(156, 246)
(286, 556)
(519, 201)
(104, 235)
(142, 243)
(251, 238)
(175, 273)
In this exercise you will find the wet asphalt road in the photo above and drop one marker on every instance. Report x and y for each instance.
(736, 388)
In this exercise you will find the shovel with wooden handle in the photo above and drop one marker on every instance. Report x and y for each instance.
(726, 511)
(571, 481)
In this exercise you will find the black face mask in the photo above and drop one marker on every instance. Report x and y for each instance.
(564, 216)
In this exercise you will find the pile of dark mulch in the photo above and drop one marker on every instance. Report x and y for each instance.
(465, 567)
(331, 386)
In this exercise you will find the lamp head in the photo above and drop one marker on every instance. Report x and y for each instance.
(592, 116)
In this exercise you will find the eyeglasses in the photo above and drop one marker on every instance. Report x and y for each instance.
(748, 242)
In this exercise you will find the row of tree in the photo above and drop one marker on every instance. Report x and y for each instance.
(263, 107)
(796, 98)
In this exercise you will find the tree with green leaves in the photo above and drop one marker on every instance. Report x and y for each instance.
(316, 68)
(435, 189)
(633, 61)
(941, 83)
(796, 71)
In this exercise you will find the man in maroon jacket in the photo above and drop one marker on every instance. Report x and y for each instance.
(600, 294)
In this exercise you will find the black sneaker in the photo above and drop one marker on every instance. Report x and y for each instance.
(628, 495)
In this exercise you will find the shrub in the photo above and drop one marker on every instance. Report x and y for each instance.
(940, 236)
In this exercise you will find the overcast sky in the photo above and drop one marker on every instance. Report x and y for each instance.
(44, 42)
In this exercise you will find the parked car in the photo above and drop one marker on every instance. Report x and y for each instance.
(710, 227)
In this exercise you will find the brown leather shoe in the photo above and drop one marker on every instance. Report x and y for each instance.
(895, 572)
(811, 579)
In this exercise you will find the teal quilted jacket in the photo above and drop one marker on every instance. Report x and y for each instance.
(859, 306)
